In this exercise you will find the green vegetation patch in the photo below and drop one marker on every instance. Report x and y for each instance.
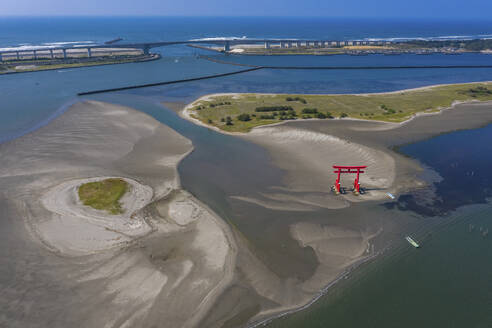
(104, 195)
(299, 99)
(241, 113)
(478, 91)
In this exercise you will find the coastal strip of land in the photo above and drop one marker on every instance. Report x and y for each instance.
(74, 58)
(242, 112)
(358, 47)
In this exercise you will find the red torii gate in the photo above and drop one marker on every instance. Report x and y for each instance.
(348, 169)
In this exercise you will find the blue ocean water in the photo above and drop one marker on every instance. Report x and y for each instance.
(37, 30)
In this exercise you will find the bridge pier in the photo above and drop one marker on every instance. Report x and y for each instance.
(51, 54)
(1, 57)
(17, 55)
(89, 52)
(267, 45)
(227, 46)
(64, 53)
(35, 54)
(299, 44)
(146, 50)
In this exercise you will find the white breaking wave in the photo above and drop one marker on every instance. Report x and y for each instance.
(220, 38)
(67, 43)
(25, 47)
(47, 45)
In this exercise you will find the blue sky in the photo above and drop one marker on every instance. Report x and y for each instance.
(328, 8)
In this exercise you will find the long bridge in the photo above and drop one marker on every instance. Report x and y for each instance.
(145, 47)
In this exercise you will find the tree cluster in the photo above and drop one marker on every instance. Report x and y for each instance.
(273, 108)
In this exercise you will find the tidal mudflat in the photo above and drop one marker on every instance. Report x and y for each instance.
(90, 268)
(168, 256)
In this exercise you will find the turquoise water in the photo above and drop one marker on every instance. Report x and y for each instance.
(444, 284)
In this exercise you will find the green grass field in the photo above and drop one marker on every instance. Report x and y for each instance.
(104, 195)
(239, 113)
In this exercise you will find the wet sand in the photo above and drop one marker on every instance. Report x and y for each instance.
(166, 258)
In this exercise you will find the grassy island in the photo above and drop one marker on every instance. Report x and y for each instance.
(104, 194)
(241, 112)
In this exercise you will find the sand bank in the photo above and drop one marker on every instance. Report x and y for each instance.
(77, 229)
(165, 259)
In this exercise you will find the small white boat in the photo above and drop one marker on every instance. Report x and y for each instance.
(412, 242)
(390, 195)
